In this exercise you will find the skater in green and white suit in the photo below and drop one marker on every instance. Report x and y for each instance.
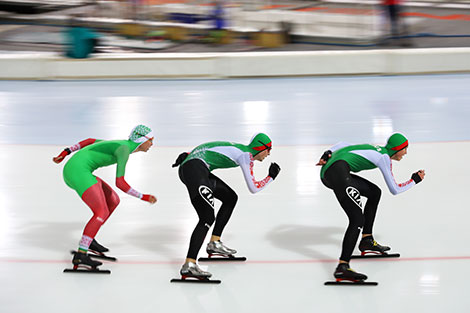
(195, 171)
(337, 165)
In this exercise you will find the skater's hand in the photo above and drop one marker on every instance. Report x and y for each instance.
(418, 176)
(58, 159)
(149, 198)
(324, 158)
(321, 162)
(274, 170)
(61, 156)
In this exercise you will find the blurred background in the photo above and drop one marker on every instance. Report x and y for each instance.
(72, 69)
(78, 28)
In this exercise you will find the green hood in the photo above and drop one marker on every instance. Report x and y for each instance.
(395, 143)
(259, 142)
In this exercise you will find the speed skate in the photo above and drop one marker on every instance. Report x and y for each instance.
(346, 276)
(82, 263)
(371, 249)
(192, 273)
(217, 251)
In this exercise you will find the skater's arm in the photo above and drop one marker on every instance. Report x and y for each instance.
(385, 166)
(122, 155)
(124, 186)
(74, 148)
(246, 164)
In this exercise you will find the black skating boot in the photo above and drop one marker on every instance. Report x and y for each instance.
(83, 260)
(344, 272)
(369, 244)
(97, 248)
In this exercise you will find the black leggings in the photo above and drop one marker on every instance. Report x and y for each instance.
(348, 189)
(203, 187)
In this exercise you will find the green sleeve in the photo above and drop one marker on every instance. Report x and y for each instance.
(122, 155)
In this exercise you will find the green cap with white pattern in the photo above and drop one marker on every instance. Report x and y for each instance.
(141, 134)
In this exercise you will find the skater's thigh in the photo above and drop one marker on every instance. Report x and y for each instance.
(95, 199)
(111, 196)
(204, 205)
(365, 187)
(195, 175)
(349, 197)
(222, 191)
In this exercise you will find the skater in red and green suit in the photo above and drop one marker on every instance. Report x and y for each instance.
(98, 195)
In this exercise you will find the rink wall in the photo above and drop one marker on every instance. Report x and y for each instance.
(45, 66)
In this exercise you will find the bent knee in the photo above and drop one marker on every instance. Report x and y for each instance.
(113, 201)
(232, 198)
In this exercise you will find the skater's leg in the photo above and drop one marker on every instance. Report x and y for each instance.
(356, 222)
(206, 219)
(345, 187)
(112, 198)
(195, 175)
(94, 197)
(229, 199)
(112, 201)
(338, 178)
(373, 193)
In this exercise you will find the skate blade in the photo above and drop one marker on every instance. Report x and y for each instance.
(98, 256)
(195, 280)
(346, 282)
(373, 255)
(90, 271)
(219, 257)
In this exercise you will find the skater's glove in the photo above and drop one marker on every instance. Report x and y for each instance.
(416, 177)
(149, 198)
(325, 157)
(180, 159)
(61, 156)
(274, 170)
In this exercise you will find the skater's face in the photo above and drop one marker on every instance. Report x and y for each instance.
(262, 155)
(400, 154)
(146, 145)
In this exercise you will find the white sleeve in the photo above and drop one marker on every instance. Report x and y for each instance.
(339, 145)
(246, 164)
(385, 165)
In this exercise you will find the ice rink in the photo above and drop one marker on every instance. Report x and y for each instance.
(291, 232)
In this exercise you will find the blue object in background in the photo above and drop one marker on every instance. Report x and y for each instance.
(219, 21)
